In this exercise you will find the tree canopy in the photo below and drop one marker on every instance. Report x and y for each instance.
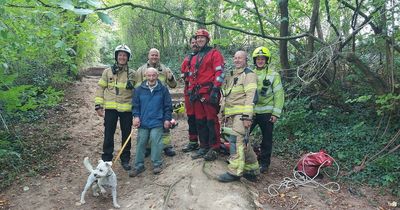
(339, 61)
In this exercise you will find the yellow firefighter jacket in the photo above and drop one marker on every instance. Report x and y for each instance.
(270, 92)
(112, 92)
(163, 74)
(239, 91)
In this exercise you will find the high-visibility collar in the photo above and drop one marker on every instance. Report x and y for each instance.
(156, 65)
(238, 71)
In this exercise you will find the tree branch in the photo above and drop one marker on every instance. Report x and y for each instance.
(276, 24)
(134, 6)
(272, 22)
(259, 18)
(376, 29)
(20, 6)
(328, 14)
(373, 79)
(45, 5)
(366, 21)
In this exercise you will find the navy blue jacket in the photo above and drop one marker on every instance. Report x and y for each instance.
(152, 108)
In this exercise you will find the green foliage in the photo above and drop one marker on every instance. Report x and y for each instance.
(387, 103)
(42, 49)
(384, 171)
(105, 18)
(346, 136)
(360, 99)
(10, 158)
(11, 98)
(26, 97)
(30, 153)
(34, 60)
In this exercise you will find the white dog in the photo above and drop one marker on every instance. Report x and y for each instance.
(104, 176)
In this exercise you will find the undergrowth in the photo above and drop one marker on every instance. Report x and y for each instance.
(348, 136)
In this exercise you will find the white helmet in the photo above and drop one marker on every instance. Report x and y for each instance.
(122, 48)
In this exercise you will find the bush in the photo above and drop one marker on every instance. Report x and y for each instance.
(347, 136)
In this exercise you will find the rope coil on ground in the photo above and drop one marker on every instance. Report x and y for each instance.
(302, 179)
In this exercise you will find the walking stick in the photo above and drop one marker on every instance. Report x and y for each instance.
(122, 148)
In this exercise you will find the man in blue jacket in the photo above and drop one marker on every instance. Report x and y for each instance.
(152, 110)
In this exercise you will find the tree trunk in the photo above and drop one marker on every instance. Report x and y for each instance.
(388, 48)
(162, 42)
(373, 79)
(284, 31)
(217, 15)
(311, 30)
(319, 29)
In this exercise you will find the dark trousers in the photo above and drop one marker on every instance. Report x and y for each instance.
(262, 120)
(110, 124)
(191, 119)
(207, 124)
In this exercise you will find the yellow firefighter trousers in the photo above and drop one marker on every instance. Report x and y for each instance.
(245, 160)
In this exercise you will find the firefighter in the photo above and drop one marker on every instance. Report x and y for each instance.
(186, 73)
(204, 90)
(113, 101)
(239, 92)
(269, 105)
(167, 78)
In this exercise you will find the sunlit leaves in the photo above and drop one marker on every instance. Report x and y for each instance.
(66, 4)
(60, 44)
(94, 3)
(105, 18)
(82, 11)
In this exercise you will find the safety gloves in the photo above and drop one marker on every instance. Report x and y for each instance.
(214, 95)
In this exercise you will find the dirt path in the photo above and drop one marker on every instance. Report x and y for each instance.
(183, 184)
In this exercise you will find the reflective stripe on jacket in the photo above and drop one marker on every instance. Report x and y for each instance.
(163, 73)
(112, 93)
(271, 96)
(240, 92)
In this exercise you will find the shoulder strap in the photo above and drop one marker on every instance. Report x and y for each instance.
(247, 70)
(190, 56)
(201, 55)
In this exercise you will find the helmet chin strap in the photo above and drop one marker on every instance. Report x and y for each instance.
(121, 65)
(118, 67)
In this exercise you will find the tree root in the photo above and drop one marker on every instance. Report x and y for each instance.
(190, 185)
(171, 187)
(209, 176)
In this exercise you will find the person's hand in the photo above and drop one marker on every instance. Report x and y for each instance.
(247, 123)
(214, 95)
(273, 119)
(100, 112)
(222, 117)
(170, 75)
(136, 122)
(167, 124)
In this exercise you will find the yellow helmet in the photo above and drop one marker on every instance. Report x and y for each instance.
(261, 51)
